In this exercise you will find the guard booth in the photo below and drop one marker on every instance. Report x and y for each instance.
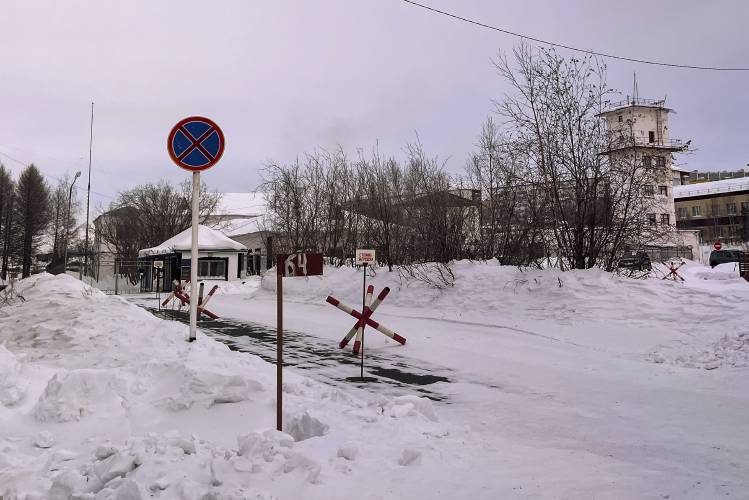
(159, 272)
(219, 259)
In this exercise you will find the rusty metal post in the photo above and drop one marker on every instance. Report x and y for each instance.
(279, 350)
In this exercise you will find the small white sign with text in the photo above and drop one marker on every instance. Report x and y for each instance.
(365, 256)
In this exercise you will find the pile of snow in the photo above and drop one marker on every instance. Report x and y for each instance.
(728, 352)
(100, 399)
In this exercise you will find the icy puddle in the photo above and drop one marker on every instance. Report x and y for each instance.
(316, 355)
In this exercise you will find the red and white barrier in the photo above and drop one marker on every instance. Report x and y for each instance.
(180, 294)
(672, 274)
(364, 318)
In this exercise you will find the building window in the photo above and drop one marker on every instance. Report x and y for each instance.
(651, 136)
(731, 208)
(696, 212)
(647, 161)
(647, 191)
(683, 213)
(665, 219)
(660, 161)
(212, 268)
(663, 190)
(744, 207)
(719, 232)
(651, 218)
(620, 118)
(716, 210)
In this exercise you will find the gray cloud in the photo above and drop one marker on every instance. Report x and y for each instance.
(284, 77)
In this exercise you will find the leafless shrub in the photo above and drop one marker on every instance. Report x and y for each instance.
(434, 274)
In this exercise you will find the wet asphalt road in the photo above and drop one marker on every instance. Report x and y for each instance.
(390, 373)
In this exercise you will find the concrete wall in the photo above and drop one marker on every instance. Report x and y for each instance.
(644, 119)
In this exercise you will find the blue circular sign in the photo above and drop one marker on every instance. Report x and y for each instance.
(196, 143)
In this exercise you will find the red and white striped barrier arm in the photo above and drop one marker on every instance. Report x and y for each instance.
(378, 300)
(357, 341)
(171, 295)
(361, 322)
(208, 297)
(366, 317)
(386, 331)
(186, 300)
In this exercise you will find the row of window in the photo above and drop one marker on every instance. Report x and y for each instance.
(653, 161)
(715, 210)
(664, 218)
(649, 191)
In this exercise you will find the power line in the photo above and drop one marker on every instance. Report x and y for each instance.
(568, 47)
(24, 164)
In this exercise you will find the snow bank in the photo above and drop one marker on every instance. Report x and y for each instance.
(99, 399)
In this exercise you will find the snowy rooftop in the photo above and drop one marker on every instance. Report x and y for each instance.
(237, 227)
(714, 187)
(208, 240)
(241, 205)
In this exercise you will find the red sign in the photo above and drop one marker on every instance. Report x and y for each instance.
(196, 143)
(299, 264)
(718, 245)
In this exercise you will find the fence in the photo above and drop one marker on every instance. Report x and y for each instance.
(662, 254)
(119, 277)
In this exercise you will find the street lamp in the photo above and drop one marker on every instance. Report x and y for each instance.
(67, 220)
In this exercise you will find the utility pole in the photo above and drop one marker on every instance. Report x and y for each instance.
(67, 225)
(88, 190)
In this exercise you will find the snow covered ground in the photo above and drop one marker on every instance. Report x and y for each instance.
(562, 385)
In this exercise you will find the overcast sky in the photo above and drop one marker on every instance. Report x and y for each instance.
(282, 77)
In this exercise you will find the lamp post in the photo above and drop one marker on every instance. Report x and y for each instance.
(67, 220)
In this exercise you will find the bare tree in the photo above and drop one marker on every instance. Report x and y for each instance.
(149, 214)
(62, 221)
(593, 206)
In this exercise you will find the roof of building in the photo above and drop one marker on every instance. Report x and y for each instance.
(714, 187)
(208, 240)
(630, 103)
(238, 205)
(237, 227)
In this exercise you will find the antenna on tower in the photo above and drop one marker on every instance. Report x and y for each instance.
(635, 90)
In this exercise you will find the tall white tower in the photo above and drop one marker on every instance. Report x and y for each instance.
(641, 126)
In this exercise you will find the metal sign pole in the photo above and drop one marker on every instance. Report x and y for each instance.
(279, 349)
(194, 257)
(363, 323)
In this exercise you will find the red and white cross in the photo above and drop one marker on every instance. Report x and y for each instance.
(364, 318)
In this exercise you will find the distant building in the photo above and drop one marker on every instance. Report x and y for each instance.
(642, 129)
(240, 217)
(643, 126)
(719, 210)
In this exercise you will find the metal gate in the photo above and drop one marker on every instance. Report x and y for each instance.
(119, 277)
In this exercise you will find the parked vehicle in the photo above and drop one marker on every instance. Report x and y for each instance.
(639, 261)
(724, 256)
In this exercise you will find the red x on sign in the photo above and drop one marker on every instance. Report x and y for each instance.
(196, 143)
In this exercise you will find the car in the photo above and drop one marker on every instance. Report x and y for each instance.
(639, 261)
(724, 256)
